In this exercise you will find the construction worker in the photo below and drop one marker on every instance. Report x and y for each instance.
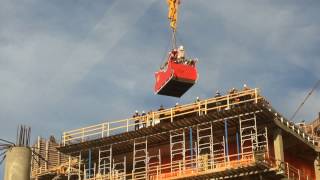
(233, 91)
(234, 100)
(218, 103)
(197, 99)
(181, 55)
(161, 108)
(245, 87)
(247, 96)
(161, 115)
(143, 119)
(136, 121)
(217, 94)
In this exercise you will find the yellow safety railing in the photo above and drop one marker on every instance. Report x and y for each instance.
(152, 118)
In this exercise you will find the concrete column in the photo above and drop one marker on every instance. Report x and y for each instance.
(18, 163)
(278, 147)
(317, 167)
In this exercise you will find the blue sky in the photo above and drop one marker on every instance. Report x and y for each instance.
(68, 64)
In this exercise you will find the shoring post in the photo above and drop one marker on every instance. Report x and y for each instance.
(171, 114)
(99, 159)
(224, 150)
(69, 167)
(89, 163)
(124, 166)
(238, 145)
(47, 155)
(266, 129)
(191, 148)
(298, 174)
(79, 168)
(94, 170)
(226, 138)
(159, 161)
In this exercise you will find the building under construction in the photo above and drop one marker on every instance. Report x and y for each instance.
(236, 136)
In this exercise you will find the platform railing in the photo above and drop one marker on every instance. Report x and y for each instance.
(152, 118)
(204, 164)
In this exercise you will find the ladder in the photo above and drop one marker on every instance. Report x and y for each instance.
(154, 165)
(177, 150)
(248, 135)
(205, 144)
(140, 158)
(219, 153)
(105, 160)
(119, 170)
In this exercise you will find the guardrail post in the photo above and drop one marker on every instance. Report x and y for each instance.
(171, 114)
(199, 103)
(127, 125)
(256, 95)
(82, 135)
(102, 131)
(147, 120)
(108, 129)
(64, 138)
(228, 102)
(205, 106)
(153, 117)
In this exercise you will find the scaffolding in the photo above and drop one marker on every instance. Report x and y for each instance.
(140, 158)
(105, 160)
(204, 139)
(248, 134)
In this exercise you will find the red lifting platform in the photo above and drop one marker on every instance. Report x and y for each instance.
(176, 77)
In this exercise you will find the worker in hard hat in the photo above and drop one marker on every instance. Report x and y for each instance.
(136, 120)
(245, 87)
(181, 54)
(143, 119)
(218, 103)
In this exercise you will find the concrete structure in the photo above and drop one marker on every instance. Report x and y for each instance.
(17, 164)
(236, 136)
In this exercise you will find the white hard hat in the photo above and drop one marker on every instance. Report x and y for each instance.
(244, 85)
(180, 47)
(177, 103)
(197, 97)
(136, 111)
(142, 111)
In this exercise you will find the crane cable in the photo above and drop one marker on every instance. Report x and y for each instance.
(305, 99)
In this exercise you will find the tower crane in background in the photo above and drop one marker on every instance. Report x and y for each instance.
(178, 74)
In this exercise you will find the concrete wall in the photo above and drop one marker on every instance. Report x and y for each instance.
(17, 164)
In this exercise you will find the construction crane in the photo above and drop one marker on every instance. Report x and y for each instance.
(178, 74)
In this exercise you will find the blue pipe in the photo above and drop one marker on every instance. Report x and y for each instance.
(226, 138)
(89, 163)
(238, 145)
(191, 148)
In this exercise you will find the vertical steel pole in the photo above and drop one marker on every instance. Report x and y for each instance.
(238, 145)
(89, 163)
(191, 148)
(226, 138)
